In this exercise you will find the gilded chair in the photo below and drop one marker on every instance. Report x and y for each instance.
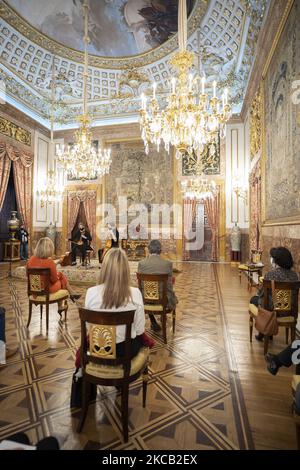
(100, 364)
(154, 290)
(284, 304)
(38, 282)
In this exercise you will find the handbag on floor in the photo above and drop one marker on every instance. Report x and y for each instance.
(76, 390)
(266, 320)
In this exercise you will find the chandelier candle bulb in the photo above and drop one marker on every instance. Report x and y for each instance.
(154, 89)
(173, 85)
(215, 88)
(190, 82)
(226, 95)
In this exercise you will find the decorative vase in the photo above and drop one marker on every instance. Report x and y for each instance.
(51, 232)
(13, 225)
(235, 238)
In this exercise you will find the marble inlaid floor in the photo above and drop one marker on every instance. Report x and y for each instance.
(196, 398)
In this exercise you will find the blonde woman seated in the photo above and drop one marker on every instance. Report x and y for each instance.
(115, 294)
(42, 258)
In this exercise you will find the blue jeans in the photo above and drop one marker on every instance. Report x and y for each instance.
(24, 250)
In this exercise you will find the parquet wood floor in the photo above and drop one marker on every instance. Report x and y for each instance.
(209, 388)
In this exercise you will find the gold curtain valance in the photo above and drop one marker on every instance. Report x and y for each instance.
(14, 154)
(82, 195)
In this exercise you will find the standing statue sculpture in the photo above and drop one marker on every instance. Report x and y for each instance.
(51, 232)
(235, 240)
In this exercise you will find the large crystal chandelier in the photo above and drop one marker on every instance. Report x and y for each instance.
(191, 118)
(83, 160)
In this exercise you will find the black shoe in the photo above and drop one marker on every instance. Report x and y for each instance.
(155, 326)
(272, 364)
(259, 337)
(74, 297)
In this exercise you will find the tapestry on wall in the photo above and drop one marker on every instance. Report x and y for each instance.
(282, 169)
(140, 178)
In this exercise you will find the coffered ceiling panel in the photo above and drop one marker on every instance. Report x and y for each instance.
(131, 44)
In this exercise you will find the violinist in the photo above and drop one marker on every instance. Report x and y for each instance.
(80, 242)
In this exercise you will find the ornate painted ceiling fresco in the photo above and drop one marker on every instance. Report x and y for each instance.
(116, 27)
(29, 59)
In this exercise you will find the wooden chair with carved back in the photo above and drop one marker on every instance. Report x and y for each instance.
(100, 364)
(154, 291)
(284, 304)
(38, 283)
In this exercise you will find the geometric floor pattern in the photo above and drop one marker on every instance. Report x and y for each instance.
(194, 398)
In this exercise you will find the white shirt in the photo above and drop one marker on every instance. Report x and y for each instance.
(93, 301)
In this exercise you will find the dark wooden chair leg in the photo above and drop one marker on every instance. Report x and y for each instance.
(287, 335)
(174, 319)
(164, 327)
(298, 435)
(145, 384)
(30, 313)
(125, 392)
(47, 317)
(251, 328)
(41, 310)
(85, 403)
(266, 344)
(293, 333)
(66, 310)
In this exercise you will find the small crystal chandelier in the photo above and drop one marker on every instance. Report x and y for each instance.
(83, 160)
(199, 187)
(52, 192)
(191, 119)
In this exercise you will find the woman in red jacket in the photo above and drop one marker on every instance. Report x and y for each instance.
(42, 258)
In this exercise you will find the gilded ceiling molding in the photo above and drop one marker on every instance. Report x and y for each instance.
(256, 125)
(15, 132)
(31, 33)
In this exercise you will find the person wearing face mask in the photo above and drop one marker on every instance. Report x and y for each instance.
(282, 262)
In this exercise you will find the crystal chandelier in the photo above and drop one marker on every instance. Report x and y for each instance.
(199, 188)
(83, 160)
(191, 118)
(52, 192)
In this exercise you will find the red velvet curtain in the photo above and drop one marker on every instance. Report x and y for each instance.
(23, 185)
(212, 211)
(73, 208)
(89, 204)
(5, 164)
(22, 168)
(88, 198)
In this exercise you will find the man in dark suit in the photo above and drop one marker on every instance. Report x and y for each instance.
(81, 242)
(154, 264)
(23, 236)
